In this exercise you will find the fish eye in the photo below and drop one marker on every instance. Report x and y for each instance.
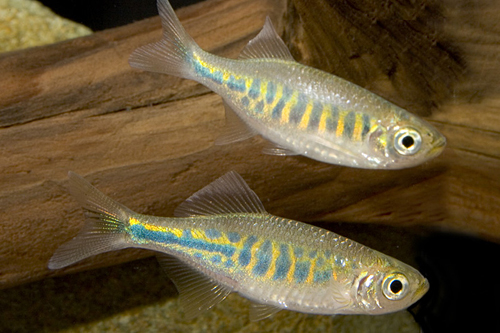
(407, 141)
(395, 286)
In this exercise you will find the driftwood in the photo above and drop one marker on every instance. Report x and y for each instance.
(147, 139)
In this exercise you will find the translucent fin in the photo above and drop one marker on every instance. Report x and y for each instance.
(274, 149)
(262, 311)
(226, 195)
(172, 53)
(104, 229)
(267, 44)
(197, 292)
(235, 130)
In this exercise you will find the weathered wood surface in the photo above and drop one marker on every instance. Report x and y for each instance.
(147, 139)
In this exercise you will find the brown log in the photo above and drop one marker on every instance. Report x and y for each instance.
(146, 139)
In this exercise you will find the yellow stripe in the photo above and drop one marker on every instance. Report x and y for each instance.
(293, 260)
(133, 221)
(279, 94)
(263, 89)
(340, 123)
(285, 113)
(326, 113)
(199, 234)
(275, 253)
(310, 276)
(307, 114)
(358, 126)
(248, 83)
(253, 250)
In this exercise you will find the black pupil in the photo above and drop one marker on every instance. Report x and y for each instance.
(396, 286)
(407, 141)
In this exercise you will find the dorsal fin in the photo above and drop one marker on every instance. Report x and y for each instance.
(235, 130)
(197, 292)
(267, 44)
(226, 195)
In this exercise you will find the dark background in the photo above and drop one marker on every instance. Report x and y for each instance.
(463, 271)
(104, 14)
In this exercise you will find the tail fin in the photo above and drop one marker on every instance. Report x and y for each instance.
(104, 229)
(171, 54)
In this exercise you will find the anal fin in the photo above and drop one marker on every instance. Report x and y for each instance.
(197, 292)
(274, 149)
(262, 311)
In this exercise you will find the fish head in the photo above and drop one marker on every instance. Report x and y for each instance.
(402, 140)
(387, 287)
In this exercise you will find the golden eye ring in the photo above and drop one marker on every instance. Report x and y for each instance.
(407, 141)
(395, 286)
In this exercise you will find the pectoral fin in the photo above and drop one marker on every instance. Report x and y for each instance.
(235, 130)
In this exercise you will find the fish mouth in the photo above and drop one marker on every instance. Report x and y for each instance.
(421, 290)
(438, 146)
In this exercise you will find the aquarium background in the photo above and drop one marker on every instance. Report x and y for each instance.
(105, 14)
(136, 296)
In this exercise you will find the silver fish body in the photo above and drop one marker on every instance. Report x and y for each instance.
(301, 110)
(224, 241)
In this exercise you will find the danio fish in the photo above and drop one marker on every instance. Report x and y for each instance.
(299, 109)
(224, 241)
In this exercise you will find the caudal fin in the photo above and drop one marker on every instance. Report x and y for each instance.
(172, 54)
(104, 229)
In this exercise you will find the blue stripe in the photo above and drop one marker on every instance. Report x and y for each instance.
(236, 84)
(259, 108)
(245, 101)
(301, 271)
(254, 90)
(271, 92)
(229, 263)
(298, 252)
(298, 110)
(278, 108)
(233, 237)
(212, 233)
(141, 233)
(203, 71)
(349, 121)
(216, 259)
(217, 77)
(331, 122)
(321, 276)
(313, 254)
(246, 252)
(320, 262)
(283, 263)
(263, 255)
(200, 69)
(366, 125)
(315, 115)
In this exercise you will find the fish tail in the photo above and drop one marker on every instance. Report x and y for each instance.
(105, 228)
(173, 53)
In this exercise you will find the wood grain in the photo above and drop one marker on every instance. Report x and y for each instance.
(146, 139)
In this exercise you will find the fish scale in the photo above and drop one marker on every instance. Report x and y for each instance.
(275, 102)
(264, 258)
(224, 241)
(299, 109)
